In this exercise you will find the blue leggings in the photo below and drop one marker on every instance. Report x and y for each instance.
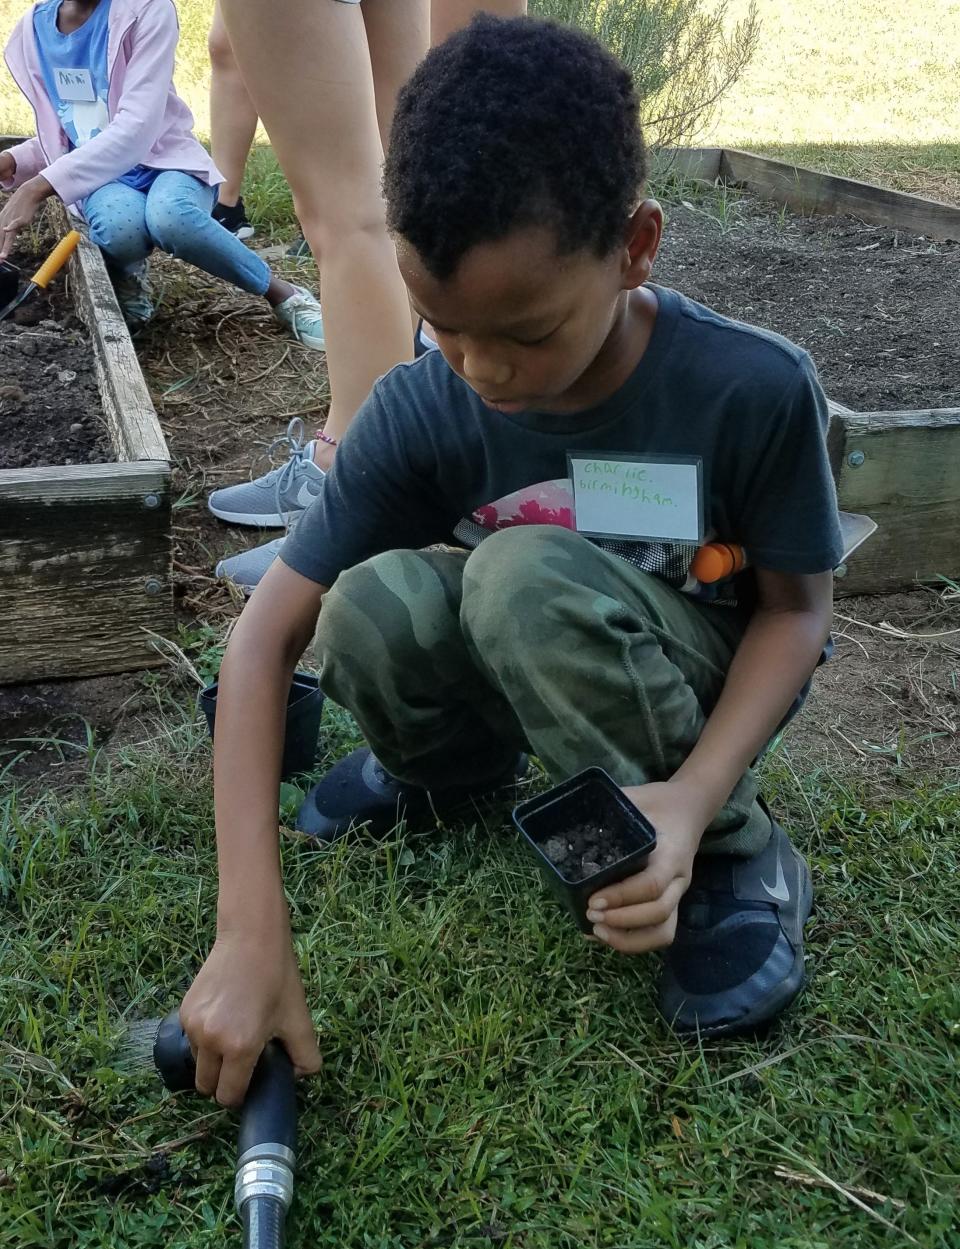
(174, 215)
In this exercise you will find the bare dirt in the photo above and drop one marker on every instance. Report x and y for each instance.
(50, 408)
(875, 307)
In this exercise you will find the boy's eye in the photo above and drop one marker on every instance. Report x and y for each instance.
(534, 342)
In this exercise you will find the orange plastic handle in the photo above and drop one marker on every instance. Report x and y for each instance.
(717, 560)
(56, 260)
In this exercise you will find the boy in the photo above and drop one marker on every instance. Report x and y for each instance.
(513, 188)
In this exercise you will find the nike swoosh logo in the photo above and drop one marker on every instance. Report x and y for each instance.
(307, 493)
(779, 890)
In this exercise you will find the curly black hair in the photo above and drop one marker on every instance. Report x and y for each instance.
(514, 122)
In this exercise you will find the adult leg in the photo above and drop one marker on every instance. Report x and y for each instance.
(446, 16)
(233, 118)
(327, 141)
(397, 38)
(116, 215)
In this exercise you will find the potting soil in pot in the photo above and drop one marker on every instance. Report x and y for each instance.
(50, 410)
(585, 849)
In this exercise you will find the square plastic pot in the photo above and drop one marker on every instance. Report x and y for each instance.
(304, 710)
(590, 795)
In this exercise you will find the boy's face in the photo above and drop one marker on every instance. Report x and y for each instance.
(528, 329)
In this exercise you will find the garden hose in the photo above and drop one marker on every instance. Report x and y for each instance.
(266, 1150)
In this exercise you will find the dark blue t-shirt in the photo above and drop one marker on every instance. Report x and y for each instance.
(76, 76)
(425, 458)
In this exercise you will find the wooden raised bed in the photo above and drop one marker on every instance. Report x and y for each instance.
(900, 468)
(85, 552)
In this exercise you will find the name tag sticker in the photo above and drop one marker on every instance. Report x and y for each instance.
(75, 85)
(652, 498)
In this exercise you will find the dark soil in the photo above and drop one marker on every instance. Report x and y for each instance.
(875, 307)
(50, 409)
(585, 849)
(50, 729)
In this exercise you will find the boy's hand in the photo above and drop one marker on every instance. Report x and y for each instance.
(19, 210)
(640, 913)
(247, 993)
(8, 166)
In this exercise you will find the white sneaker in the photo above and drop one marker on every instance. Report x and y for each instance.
(270, 501)
(301, 314)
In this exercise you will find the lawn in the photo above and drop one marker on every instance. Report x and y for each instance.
(490, 1078)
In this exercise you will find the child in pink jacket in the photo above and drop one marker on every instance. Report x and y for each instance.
(115, 140)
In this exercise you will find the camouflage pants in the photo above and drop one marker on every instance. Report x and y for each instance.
(451, 662)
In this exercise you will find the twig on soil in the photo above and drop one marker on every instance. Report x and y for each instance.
(890, 630)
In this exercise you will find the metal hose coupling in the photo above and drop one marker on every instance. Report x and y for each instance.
(265, 1170)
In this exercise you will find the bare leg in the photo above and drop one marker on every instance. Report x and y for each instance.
(397, 37)
(328, 143)
(233, 118)
(446, 16)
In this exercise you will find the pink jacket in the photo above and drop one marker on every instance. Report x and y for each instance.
(149, 123)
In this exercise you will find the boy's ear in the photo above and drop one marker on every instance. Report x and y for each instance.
(642, 239)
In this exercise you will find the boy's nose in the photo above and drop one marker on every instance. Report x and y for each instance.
(484, 373)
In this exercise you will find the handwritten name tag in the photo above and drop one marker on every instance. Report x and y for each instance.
(649, 498)
(75, 85)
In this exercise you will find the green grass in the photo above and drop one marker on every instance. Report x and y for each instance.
(490, 1078)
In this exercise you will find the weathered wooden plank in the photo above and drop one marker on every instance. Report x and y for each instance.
(702, 163)
(901, 469)
(69, 481)
(808, 191)
(130, 415)
(84, 568)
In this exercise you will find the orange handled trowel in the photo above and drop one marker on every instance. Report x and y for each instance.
(47, 271)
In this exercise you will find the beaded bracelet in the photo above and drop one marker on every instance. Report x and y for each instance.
(331, 442)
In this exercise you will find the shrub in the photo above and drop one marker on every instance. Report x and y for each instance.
(683, 54)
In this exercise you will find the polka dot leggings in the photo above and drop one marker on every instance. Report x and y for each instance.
(174, 215)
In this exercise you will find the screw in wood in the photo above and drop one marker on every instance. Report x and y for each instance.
(855, 459)
(151, 500)
(153, 586)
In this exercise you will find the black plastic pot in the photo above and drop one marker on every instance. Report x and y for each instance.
(304, 709)
(590, 795)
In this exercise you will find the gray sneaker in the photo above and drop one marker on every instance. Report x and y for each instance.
(248, 569)
(737, 959)
(135, 297)
(301, 314)
(269, 501)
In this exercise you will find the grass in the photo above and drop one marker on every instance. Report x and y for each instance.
(490, 1078)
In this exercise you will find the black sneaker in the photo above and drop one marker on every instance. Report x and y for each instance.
(737, 959)
(359, 790)
(233, 217)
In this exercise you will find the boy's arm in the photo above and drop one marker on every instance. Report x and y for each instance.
(779, 650)
(249, 990)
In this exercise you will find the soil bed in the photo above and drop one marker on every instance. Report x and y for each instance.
(875, 307)
(49, 402)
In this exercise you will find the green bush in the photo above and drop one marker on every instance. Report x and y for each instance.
(683, 54)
